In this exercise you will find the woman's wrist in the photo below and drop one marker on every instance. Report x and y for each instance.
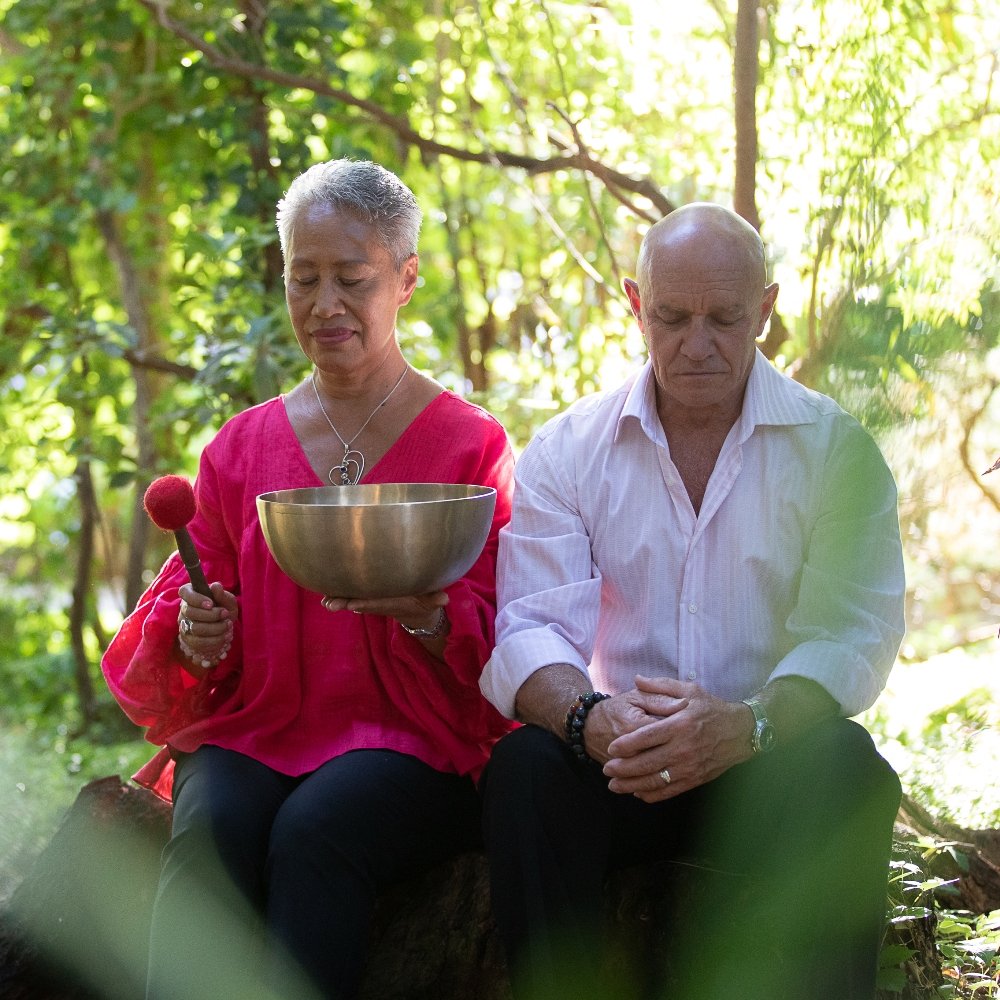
(202, 659)
(435, 630)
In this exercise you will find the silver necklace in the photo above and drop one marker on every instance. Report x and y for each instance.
(352, 465)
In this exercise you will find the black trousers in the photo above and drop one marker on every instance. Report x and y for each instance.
(268, 882)
(808, 827)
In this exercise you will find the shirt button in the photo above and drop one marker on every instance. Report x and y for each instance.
(691, 675)
(692, 608)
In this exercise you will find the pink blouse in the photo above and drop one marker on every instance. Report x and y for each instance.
(302, 685)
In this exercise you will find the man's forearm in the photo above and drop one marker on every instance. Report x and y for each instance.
(795, 704)
(545, 697)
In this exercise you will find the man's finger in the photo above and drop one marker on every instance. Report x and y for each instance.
(653, 734)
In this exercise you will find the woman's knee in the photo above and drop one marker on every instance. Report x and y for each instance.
(356, 813)
(223, 811)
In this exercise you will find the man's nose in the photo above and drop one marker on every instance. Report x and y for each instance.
(697, 343)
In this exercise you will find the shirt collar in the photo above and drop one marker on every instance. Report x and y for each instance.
(770, 398)
(640, 405)
(774, 398)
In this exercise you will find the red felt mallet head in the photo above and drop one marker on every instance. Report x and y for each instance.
(170, 504)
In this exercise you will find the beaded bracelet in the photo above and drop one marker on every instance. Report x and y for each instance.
(576, 719)
(205, 662)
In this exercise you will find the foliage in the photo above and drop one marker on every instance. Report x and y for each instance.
(149, 143)
(968, 944)
(938, 724)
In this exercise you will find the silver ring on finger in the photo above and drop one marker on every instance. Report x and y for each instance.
(665, 775)
(186, 626)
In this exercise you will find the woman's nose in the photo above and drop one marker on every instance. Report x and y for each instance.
(328, 300)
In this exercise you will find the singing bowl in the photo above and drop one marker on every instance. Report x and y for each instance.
(377, 540)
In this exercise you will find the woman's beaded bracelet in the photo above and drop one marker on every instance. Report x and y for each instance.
(576, 719)
(206, 663)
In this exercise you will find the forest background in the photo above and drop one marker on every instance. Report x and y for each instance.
(146, 142)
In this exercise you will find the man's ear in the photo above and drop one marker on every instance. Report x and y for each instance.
(632, 291)
(766, 305)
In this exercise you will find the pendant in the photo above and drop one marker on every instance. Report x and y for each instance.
(350, 470)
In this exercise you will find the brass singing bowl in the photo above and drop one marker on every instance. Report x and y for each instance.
(377, 540)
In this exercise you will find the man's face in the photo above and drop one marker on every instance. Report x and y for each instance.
(343, 290)
(701, 309)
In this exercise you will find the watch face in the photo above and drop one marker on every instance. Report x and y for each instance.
(764, 737)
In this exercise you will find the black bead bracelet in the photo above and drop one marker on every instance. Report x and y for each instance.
(576, 719)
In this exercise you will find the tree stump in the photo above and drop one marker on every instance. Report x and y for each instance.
(77, 927)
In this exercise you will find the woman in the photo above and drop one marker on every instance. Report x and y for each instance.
(315, 749)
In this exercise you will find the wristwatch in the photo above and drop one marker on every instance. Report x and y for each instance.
(763, 730)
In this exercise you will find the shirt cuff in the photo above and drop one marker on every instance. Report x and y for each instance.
(517, 658)
(839, 670)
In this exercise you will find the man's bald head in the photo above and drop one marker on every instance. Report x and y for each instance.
(701, 221)
(701, 302)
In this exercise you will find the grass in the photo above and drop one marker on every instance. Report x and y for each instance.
(41, 772)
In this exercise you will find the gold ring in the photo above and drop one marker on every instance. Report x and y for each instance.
(665, 775)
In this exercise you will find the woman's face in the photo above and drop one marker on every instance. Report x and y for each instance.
(343, 290)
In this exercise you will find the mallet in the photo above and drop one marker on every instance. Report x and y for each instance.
(170, 504)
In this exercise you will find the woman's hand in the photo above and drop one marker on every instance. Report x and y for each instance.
(423, 611)
(205, 627)
(420, 611)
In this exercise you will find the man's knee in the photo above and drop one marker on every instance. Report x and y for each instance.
(841, 758)
(524, 760)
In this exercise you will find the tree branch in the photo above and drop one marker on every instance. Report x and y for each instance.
(156, 362)
(968, 426)
(401, 126)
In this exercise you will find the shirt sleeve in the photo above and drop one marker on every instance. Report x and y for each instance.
(143, 665)
(848, 621)
(549, 589)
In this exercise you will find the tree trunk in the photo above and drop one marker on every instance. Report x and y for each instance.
(746, 63)
(81, 591)
(745, 72)
(136, 308)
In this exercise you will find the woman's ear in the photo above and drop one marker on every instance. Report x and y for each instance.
(408, 278)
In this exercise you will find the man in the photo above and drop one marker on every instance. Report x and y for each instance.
(702, 579)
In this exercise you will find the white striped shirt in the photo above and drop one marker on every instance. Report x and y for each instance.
(792, 567)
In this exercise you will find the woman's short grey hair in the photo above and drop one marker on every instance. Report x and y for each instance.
(376, 195)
